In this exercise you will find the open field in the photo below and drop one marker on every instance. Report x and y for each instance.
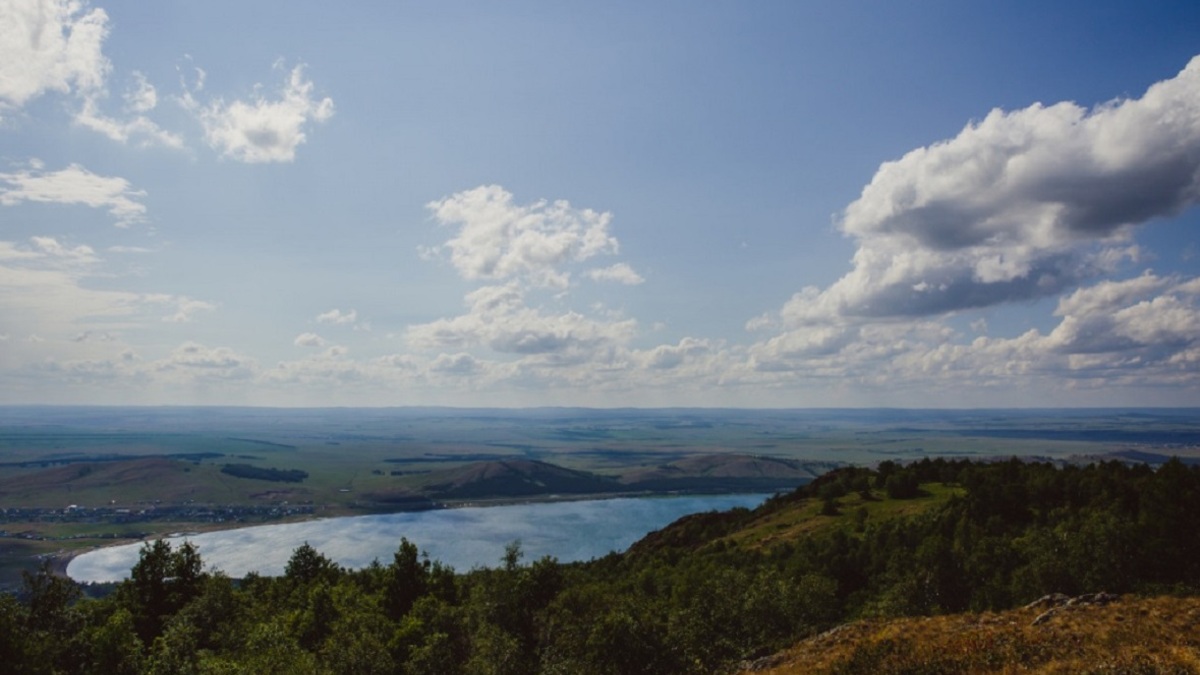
(84, 476)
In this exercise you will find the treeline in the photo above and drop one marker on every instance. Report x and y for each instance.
(263, 473)
(685, 600)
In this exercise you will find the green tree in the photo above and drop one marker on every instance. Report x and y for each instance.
(307, 566)
(114, 646)
(14, 640)
(408, 580)
(161, 583)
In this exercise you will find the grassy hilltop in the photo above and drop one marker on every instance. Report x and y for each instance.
(1126, 635)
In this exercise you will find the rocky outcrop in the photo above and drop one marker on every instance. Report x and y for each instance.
(1057, 602)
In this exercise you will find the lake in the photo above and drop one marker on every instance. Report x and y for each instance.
(462, 537)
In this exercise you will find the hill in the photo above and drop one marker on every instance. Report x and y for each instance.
(512, 478)
(94, 483)
(928, 567)
(508, 478)
(724, 471)
(1126, 635)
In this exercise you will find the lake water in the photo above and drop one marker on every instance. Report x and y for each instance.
(462, 538)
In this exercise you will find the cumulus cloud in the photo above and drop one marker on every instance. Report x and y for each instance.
(523, 315)
(498, 239)
(309, 340)
(499, 319)
(338, 317)
(196, 362)
(667, 357)
(1143, 331)
(262, 129)
(1034, 203)
(50, 45)
(1143, 321)
(57, 46)
(620, 273)
(74, 185)
(455, 364)
(1021, 204)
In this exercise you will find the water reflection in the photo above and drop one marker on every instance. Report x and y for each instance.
(463, 538)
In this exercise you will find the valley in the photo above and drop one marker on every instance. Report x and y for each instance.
(73, 478)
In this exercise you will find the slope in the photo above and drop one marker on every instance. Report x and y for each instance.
(1128, 635)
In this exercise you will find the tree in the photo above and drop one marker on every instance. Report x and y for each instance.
(14, 641)
(52, 624)
(161, 583)
(408, 580)
(114, 645)
(49, 598)
(903, 485)
(307, 566)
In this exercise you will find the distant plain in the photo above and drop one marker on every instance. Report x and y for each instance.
(131, 473)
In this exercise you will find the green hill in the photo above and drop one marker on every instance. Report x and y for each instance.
(99, 483)
(509, 478)
(724, 471)
(512, 478)
(929, 567)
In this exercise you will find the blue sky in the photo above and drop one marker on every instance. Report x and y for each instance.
(767, 204)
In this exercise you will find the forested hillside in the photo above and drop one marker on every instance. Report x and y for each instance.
(704, 595)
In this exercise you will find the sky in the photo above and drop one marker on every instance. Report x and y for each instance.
(768, 204)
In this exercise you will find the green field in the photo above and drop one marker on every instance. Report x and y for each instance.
(143, 462)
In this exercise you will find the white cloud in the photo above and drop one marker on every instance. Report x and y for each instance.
(530, 249)
(57, 45)
(455, 364)
(50, 248)
(499, 320)
(674, 356)
(194, 362)
(1143, 331)
(499, 240)
(309, 340)
(186, 308)
(142, 96)
(74, 185)
(620, 273)
(338, 317)
(44, 291)
(262, 129)
(50, 45)
(123, 130)
(1019, 205)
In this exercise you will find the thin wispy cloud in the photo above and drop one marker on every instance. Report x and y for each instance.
(74, 185)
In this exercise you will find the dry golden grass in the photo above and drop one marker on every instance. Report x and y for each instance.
(1131, 636)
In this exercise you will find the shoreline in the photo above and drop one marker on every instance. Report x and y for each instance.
(60, 562)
